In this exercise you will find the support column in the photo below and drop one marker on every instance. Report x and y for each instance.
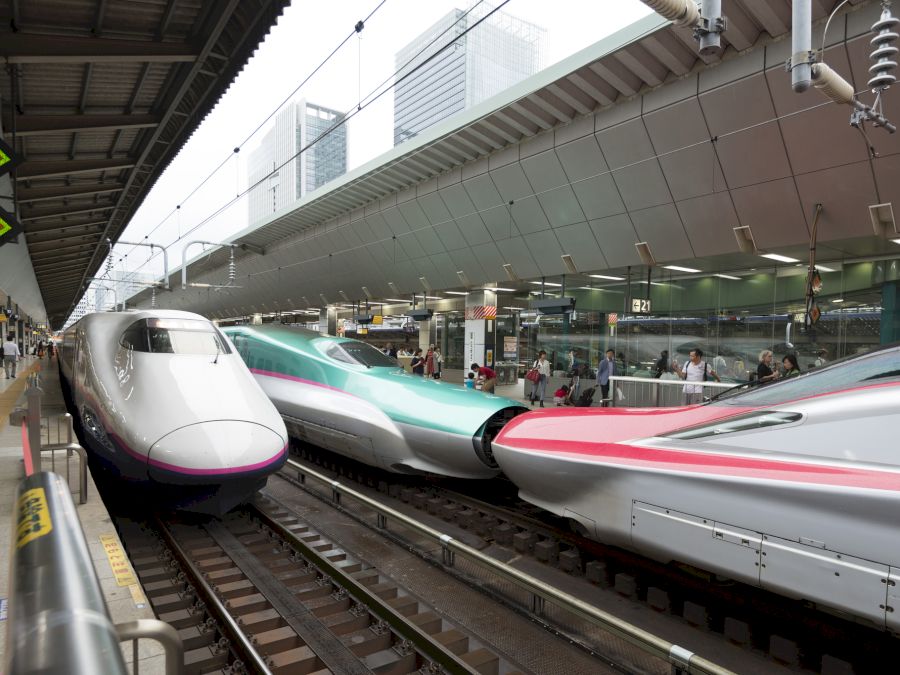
(328, 320)
(481, 329)
(890, 312)
(427, 334)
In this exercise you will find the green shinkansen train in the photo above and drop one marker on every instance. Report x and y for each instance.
(346, 396)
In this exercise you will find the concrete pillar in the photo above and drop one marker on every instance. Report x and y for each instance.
(427, 334)
(481, 314)
(328, 320)
(890, 312)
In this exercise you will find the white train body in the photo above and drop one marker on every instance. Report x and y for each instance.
(163, 399)
(793, 487)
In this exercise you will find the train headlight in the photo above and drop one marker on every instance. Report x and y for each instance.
(92, 425)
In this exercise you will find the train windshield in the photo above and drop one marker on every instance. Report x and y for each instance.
(362, 353)
(174, 336)
(878, 367)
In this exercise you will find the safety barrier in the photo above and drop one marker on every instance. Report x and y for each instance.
(58, 622)
(682, 660)
(34, 424)
(645, 392)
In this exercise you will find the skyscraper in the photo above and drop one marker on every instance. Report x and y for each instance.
(495, 55)
(278, 175)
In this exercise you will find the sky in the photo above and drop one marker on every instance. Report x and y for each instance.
(176, 211)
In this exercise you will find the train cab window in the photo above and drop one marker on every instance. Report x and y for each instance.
(174, 336)
(362, 354)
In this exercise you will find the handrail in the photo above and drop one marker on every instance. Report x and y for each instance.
(680, 658)
(58, 621)
(673, 383)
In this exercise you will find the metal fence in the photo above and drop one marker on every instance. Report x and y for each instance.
(58, 621)
(645, 392)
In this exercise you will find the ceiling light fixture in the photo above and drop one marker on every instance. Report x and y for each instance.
(822, 268)
(456, 292)
(606, 276)
(393, 288)
(505, 290)
(545, 283)
(838, 300)
(896, 241)
(395, 300)
(569, 263)
(779, 258)
(510, 273)
(727, 276)
(678, 268)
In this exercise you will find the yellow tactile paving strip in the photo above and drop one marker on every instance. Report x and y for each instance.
(11, 394)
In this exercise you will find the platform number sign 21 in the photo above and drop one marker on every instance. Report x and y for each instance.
(640, 305)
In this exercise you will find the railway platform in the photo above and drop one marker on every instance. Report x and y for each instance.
(122, 593)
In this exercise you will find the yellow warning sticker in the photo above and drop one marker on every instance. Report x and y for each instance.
(137, 594)
(118, 561)
(34, 516)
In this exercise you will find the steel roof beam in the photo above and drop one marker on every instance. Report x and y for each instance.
(64, 226)
(517, 121)
(43, 125)
(44, 194)
(226, 10)
(30, 48)
(31, 169)
(502, 129)
(57, 213)
(36, 239)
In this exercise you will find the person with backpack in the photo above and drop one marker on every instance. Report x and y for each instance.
(696, 370)
(539, 386)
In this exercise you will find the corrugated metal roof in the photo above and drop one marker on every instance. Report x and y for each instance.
(646, 55)
(100, 96)
(527, 176)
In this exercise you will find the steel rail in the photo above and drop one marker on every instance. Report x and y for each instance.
(239, 642)
(679, 657)
(428, 646)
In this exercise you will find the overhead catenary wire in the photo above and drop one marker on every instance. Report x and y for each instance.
(356, 30)
(369, 99)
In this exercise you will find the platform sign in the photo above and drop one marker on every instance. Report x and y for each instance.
(378, 319)
(10, 228)
(612, 319)
(640, 305)
(9, 159)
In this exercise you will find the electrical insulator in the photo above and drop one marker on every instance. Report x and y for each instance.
(153, 297)
(679, 12)
(232, 270)
(884, 50)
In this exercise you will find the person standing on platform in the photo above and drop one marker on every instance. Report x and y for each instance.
(696, 370)
(662, 364)
(538, 388)
(418, 363)
(605, 370)
(438, 363)
(487, 377)
(764, 371)
(11, 355)
(429, 363)
(791, 366)
(391, 350)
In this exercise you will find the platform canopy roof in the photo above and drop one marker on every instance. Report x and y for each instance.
(636, 139)
(100, 95)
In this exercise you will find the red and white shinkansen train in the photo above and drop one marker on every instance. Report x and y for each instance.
(164, 401)
(792, 486)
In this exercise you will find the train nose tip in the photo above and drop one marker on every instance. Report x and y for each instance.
(217, 448)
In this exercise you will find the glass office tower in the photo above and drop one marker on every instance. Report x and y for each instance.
(435, 81)
(278, 175)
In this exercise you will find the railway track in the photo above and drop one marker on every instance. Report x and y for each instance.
(262, 591)
(788, 632)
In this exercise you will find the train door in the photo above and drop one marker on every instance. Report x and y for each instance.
(892, 607)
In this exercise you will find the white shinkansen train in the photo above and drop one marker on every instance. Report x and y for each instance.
(792, 486)
(163, 400)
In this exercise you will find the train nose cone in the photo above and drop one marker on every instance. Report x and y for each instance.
(221, 448)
